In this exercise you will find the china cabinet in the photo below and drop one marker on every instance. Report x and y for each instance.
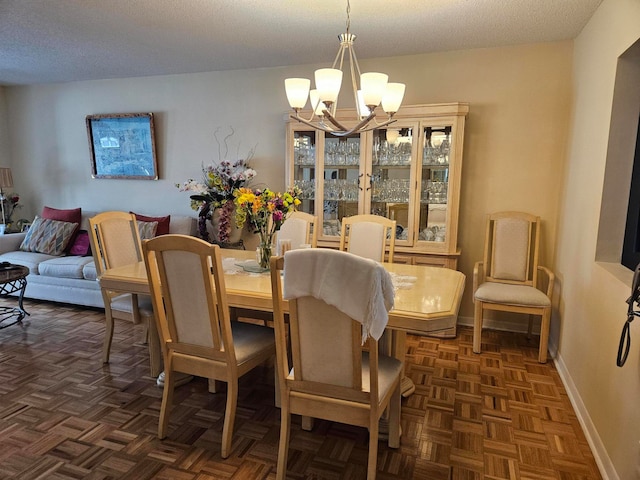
(408, 171)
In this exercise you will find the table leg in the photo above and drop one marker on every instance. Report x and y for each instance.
(155, 351)
(398, 350)
(23, 287)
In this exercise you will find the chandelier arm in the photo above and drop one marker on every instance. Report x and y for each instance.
(333, 120)
(315, 126)
(363, 122)
(296, 115)
(340, 57)
(343, 131)
(353, 64)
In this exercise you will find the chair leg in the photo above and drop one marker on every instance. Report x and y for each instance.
(372, 463)
(283, 448)
(394, 418)
(108, 337)
(544, 335)
(307, 423)
(229, 416)
(477, 327)
(145, 332)
(167, 401)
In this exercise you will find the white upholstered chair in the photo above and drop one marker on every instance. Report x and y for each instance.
(367, 236)
(331, 376)
(508, 278)
(115, 241)
(192, 316)
(301, 229)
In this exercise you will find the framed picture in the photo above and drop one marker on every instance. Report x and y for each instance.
(122, 146)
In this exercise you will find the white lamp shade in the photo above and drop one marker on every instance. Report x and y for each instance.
(316, 104)
(6, 179)
(363, 109)
(392, 98)
(373, 86)
(297, 91)
(328, 83)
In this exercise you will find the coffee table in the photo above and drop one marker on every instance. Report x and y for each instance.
(13, 278)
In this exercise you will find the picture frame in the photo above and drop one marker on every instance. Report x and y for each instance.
(122, 146)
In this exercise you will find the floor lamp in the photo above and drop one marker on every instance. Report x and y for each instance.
(6, 181)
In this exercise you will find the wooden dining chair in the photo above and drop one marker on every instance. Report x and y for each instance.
(301, 229)
(115, 241)
(330, 375)
(192, 316)
(367, 236)
(507, 278)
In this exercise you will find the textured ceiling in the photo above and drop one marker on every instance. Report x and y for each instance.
(44, 41)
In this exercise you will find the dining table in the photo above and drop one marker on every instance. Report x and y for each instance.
(426, 299)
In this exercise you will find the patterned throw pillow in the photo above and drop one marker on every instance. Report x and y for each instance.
(163, 222)
(48, 236)
(147, 230)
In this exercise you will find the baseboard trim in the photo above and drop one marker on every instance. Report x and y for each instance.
(607, 470)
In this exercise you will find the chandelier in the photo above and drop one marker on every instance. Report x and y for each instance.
(375, 89)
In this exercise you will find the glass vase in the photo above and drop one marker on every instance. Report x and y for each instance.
(263, 254)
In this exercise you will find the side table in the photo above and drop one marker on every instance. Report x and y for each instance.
(13, 278)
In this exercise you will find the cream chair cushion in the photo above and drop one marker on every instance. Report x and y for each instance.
(511, 246)
(511, 294)
(294, 229)
(366, 240)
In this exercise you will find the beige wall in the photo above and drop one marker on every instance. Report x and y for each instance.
(592, 307)
(513, 159)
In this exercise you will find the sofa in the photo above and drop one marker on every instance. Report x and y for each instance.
(68, 278)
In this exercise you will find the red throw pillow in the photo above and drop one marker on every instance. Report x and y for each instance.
(163, 222)
(81, 245)
(73, 215)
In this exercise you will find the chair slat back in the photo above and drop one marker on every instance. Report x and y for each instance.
(187, 286)
(511, 248)
(115, 240)
(367, 236)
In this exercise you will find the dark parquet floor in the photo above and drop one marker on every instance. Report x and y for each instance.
(64, 415)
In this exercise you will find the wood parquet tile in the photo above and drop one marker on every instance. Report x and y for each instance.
(63, 415)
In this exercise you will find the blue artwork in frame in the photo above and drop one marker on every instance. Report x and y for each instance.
(122, 146)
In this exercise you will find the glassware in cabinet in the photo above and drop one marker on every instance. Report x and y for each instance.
(342, 174)
(434, 191)
(304, 168)
(391, 177)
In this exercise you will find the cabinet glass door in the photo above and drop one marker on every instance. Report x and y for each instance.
(304, 168)
(341, 177)
(391, 178)
(436, 142)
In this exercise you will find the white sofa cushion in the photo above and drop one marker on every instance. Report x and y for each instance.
(64, 267)
(89, 271)
(28, 259)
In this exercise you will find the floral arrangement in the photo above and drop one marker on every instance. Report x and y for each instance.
(11, 202)
(265, 212)
(216, 190)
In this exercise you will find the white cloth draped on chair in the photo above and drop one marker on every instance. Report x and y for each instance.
(343, 280)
